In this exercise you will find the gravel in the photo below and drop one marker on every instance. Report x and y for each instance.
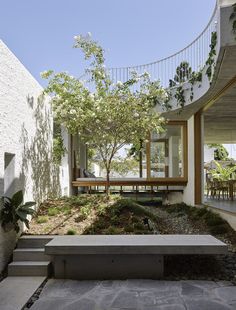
(194, 267)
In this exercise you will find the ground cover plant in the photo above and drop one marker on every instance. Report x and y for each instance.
(102, 214)
(93, 214)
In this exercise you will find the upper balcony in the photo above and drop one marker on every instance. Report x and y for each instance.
(200, 71)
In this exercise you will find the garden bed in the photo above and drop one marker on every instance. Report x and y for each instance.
(93, 214)
(96, 214)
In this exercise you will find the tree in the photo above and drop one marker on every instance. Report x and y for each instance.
(122, 166)
(220, 152)
(108, 115)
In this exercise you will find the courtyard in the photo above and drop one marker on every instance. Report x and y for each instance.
(117, 186)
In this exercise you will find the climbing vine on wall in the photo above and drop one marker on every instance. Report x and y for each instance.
(180, 97)
(183, 74)
(211, 56)
(232, 18)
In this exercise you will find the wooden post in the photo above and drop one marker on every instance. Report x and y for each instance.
(198, 157)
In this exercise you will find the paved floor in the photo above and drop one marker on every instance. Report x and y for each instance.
(16, 291)
(136, 295)
(226, 205)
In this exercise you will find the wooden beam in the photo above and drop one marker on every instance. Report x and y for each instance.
(131, 182)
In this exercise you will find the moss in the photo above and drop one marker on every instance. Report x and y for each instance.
(42, 219)
(71, 232)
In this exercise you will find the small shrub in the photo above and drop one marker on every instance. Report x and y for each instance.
(71, 232)
(99, 225)
(139, 226)
(42, 219)
(102, 209)
(212, 219)
(131, 205)
(129, 229)
(201, 211)
(111, 230)
(66, 210)
(53, 211)
(219, 229)
(179, 209)
(85, 211)
(47, 229)
(77, 200)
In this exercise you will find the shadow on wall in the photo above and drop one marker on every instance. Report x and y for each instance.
(37, 155)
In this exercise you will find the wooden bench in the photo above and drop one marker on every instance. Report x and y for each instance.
(123, 256)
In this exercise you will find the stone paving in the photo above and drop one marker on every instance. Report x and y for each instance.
(136, 295)
(16, 291)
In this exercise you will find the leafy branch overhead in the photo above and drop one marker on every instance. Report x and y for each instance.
(107, 115)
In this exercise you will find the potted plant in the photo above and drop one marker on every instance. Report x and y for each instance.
(13, 211)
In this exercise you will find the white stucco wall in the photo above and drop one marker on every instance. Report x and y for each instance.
(26, 132)
(188, 195)
(208, 153)
(66, 165)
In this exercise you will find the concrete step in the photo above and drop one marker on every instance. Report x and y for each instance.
(31, 254)
(29, 268)
(29, 241)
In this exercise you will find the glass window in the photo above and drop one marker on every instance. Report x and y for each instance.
(166, 153)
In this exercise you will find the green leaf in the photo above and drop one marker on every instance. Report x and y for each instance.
(26, 210)
(6, 198)
(29, 204)
(17, 198)
(26, 223)
(22, 215)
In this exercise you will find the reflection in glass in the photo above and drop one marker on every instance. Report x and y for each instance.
(166, 153)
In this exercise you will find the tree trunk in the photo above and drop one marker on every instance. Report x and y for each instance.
(108, 183)
(140, 160)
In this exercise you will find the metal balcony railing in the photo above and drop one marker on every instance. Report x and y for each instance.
(195, 54)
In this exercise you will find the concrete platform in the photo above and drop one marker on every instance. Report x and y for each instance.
(135, 244)
(16, 291)
(136, 295)
(123, 256)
